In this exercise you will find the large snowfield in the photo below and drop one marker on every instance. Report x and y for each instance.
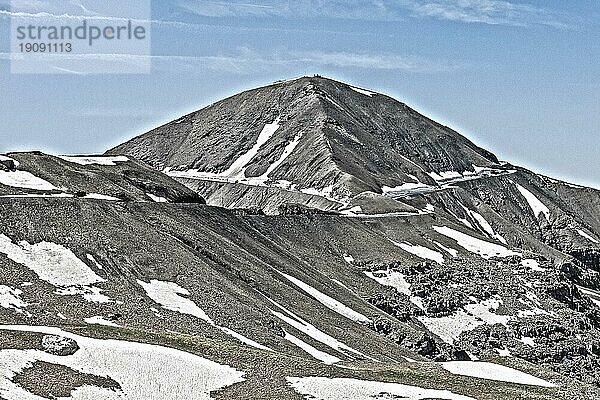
(25, 180)
(355, 389)
(143, 371)
(493, 372)
(56, 265)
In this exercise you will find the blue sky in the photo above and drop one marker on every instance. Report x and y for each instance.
(520, 78)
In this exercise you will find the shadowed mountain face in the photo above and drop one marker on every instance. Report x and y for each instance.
(351, 248)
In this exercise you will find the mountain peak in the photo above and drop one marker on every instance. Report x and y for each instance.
(310, 135)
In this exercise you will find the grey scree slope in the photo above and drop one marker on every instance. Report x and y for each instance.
(384, 241)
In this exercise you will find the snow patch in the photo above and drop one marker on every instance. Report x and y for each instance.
(326, 192)
(327, 301)
(397, 281)
(446, 178)
(449, 250)
(11, 298)
(422, 252)
(449, 328)
(316, 353)
(52, 262)
(485, 225)
(157, 199)
(89, 293)
(363, 91)
(92, 259)
(341, 284)
(504, 352)
(236, 172)
(5, 158)
(532, 264)
(495, 372)
(243, 338)
(356, 212)
(391, 278)
(592, 294)
(529, 341)
(87, 392)
(237, 168)
(485, 249)
(405, 187)
(534, 312)
(286, 153)
(56, 265)
(534, 203)
(345, 388)
(445, 175)
(311, 331)
(586, 236)
(99, 320)
(97, 160)
(38, 196)
(264, 180)
(482, 312)
(169, 296)
(97, 196)
(464, 221)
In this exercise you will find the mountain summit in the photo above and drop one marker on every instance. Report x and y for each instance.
(311, 135)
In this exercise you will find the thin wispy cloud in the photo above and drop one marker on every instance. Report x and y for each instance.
(491, 12)
(45, 16)
(247, 61)
(392, 62)
(230, 9)
(56, 11)
(104, 112)
(83, 8)
(348, 9)
(49, 6)
(67, 71)
(165, 25)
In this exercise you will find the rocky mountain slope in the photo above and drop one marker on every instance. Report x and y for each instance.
(350, 249)
(331, 146)
(309, 136)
